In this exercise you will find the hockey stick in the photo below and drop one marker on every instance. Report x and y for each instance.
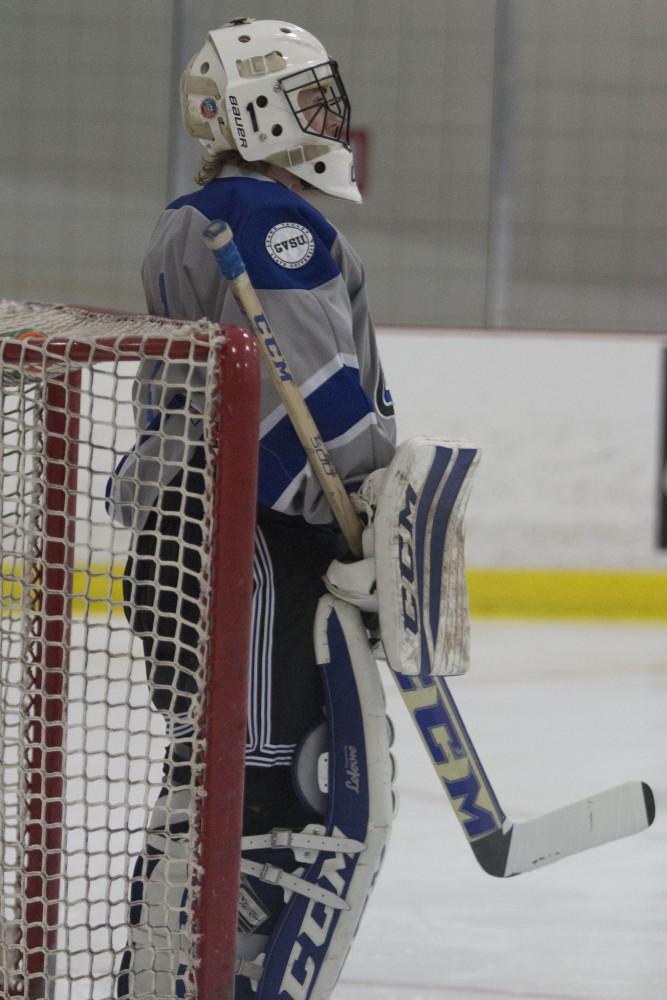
(501, 847)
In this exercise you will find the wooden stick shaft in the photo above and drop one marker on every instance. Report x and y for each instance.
(219, 239)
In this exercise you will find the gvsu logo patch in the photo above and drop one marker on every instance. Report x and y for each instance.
(290, 244)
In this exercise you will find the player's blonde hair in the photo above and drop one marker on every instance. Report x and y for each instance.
(212, 164)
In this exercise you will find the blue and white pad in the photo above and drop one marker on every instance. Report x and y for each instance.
(155, 961)
(419, 556)
(331, 867)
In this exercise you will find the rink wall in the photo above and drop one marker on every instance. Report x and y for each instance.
(563, 515)
(562, 519)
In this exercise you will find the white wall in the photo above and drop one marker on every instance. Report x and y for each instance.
(568, 426)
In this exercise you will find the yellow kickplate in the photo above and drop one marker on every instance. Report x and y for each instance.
(510, 593)
(556, 593)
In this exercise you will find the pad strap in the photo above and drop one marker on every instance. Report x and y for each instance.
(280, 839)
(292, 883)
(251, 970)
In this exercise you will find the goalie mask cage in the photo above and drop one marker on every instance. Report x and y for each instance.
(81, 745)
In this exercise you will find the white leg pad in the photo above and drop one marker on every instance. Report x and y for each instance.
(307, 950)
(323, 892)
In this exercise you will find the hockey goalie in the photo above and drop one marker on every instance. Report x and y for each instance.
(271, 111)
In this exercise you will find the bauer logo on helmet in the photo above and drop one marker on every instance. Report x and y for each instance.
(238, 121)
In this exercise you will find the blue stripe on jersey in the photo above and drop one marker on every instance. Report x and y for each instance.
(162, 284)
(252, 207)
(337, 405)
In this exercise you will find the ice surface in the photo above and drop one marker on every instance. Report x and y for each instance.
(556, 711)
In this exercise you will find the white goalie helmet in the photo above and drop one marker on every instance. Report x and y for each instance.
(268, 90)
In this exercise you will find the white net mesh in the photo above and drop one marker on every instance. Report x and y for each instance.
(83, 734)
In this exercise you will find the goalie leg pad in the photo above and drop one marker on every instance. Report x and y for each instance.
(419, 557)
(338, 860)
(154, 963)
(303, 892)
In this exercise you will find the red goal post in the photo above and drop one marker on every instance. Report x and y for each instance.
(77, 783)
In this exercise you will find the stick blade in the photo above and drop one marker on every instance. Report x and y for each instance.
(599, 819)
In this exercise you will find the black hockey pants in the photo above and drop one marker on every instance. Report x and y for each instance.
(161, 590)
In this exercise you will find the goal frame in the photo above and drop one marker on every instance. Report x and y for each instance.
(236, 420)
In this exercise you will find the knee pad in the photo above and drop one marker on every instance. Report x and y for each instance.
(304, 892)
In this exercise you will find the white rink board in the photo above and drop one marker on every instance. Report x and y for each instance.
(115, 747)
(107, 432)
(568, 427)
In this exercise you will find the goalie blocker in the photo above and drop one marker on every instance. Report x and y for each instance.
(413, 573)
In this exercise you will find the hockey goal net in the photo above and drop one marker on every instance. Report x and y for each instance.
(82, 746)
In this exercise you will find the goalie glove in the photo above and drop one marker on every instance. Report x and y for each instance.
(355, 582)
(413, 570)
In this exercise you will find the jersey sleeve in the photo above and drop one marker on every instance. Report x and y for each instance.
(180, 276)
(365, 341)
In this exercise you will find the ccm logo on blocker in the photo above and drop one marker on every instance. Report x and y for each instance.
(290, 244)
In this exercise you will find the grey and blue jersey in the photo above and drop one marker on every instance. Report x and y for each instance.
(311, 285)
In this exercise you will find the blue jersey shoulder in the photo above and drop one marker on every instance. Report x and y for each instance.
(284, 241)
